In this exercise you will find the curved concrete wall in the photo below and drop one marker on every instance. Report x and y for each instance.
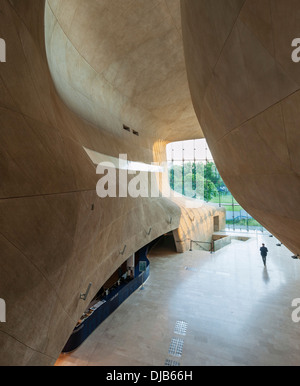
(245, 90)
(122, 62)
(56, 234)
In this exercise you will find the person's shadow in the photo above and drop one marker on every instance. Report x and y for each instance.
(266, 277)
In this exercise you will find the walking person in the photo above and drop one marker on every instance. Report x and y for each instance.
(264, 252)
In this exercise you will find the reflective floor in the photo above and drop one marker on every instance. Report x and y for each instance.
(201, 309)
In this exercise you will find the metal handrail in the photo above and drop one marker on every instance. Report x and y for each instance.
(212, 244)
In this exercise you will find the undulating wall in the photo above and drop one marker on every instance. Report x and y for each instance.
(57, 235)
(245, 90)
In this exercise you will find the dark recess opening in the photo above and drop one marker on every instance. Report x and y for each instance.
(126, 128)
(165, 242)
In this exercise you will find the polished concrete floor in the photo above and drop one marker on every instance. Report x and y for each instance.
(235, 312)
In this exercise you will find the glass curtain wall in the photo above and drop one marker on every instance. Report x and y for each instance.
(193, 173)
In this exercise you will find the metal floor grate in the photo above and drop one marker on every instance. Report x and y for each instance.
(180, 328)
(176, 347)
(170, 362)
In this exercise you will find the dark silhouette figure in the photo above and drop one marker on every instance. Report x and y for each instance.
(264, 252)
